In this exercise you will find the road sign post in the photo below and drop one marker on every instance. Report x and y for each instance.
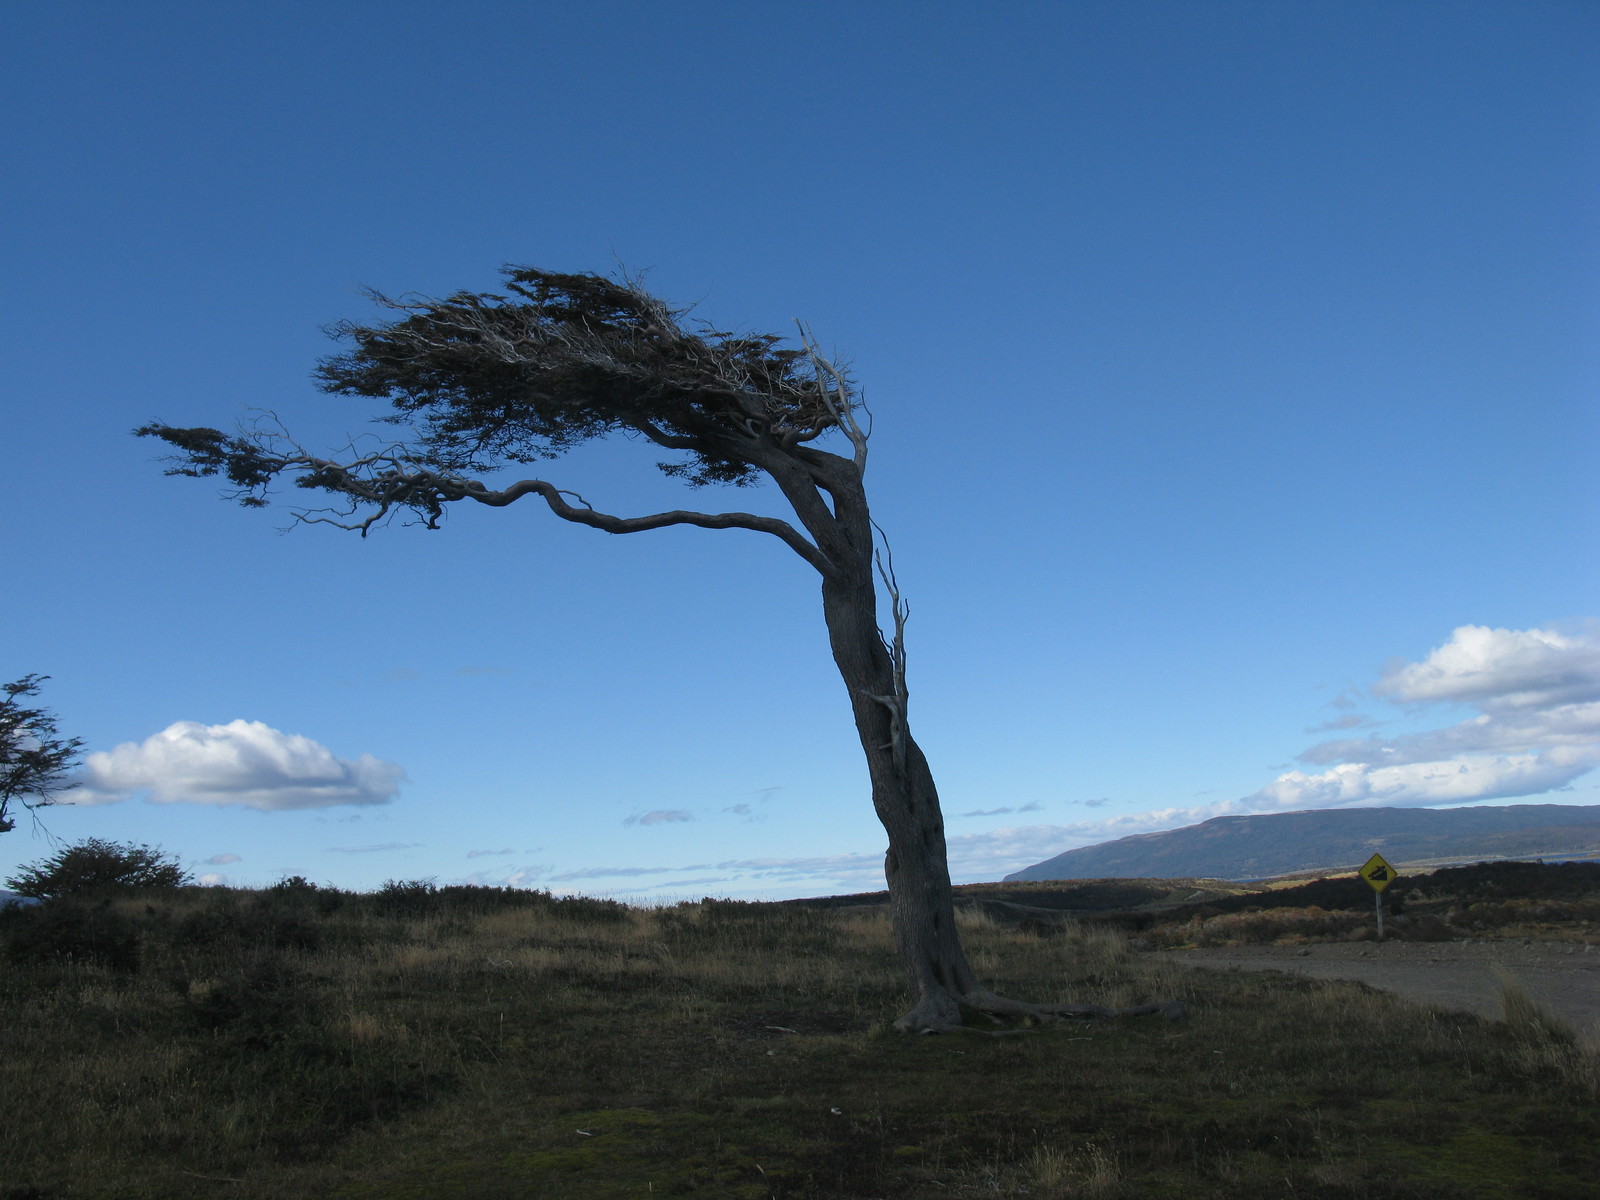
(1379, 874)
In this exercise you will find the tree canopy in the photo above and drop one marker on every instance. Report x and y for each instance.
(483, 380)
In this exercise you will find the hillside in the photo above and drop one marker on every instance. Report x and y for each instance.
(1254, 847)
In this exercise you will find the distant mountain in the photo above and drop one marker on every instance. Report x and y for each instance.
(1255, 847)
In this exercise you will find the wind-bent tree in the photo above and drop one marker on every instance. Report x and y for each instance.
(33, 760)
(484, 380)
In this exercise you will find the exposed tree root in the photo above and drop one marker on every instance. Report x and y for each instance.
(941, 1013)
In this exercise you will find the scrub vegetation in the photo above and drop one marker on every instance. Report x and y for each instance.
(447, 1042)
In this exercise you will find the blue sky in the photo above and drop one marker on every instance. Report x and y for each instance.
(1233, 367)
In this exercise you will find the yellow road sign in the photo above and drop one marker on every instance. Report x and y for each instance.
(1378, 873)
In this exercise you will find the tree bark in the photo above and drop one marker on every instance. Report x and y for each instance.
(921, 903)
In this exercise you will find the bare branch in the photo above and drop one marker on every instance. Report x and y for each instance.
(586, 515)
(834, 389)
(896, 702)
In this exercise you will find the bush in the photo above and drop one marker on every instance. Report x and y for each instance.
(72, 932)
(261, 923)
(406, 897)
(96, 865)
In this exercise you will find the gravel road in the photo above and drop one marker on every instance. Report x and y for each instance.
(1564, 977)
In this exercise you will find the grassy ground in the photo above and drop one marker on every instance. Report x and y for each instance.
(474, 1043)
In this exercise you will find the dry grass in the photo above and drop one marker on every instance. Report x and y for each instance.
(1548, 1046)
(486, 1044)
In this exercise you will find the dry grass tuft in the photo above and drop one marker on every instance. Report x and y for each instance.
(1546, 1046)
(1089, 1172)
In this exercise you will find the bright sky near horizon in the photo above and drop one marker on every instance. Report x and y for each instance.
(1233, 368)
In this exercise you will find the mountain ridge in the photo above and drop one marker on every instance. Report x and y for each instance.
(1259, 846)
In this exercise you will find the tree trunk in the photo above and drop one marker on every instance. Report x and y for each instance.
(921, 903)
(920, 900)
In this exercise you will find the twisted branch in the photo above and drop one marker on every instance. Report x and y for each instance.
(390, 479)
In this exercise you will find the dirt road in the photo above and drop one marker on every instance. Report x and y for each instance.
(1564, 977)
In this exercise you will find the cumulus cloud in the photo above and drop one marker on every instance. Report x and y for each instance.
(1453, 781)
(244, 763)
(1537, 728)
(661, 816)
(1500, 669)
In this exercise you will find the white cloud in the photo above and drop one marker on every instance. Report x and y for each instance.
(1419, 784)
(1537, 692)
(819, 875)
(212, 880)
(1501, 732)
(1501, 669)
(243, 763)
(619, 872)
(851, 872)
(222, 860)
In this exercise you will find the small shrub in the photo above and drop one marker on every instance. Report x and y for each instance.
(405, 896)
(300, 893)
(98, 866)
(294, 885)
